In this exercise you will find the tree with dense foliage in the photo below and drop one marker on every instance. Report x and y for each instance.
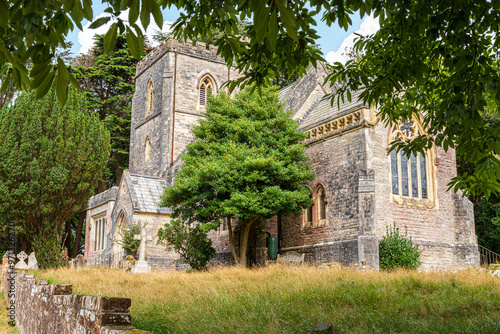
(435, 56)
(107, 80)
(50, 161)
(247, 161)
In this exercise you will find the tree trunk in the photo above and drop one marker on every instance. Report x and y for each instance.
(246, 225)
(231, 241)
(67, 236)
(78, 235)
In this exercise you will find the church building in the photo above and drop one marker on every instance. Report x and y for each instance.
(360, 189)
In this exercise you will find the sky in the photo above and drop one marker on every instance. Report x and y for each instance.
(333, 40)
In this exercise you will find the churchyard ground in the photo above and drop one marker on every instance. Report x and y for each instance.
(280, 299)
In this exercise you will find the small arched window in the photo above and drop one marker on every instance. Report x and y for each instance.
(206, 88)
(321, 205)
(308, 215)
(147, 149)
(149, 97)
(409, 175)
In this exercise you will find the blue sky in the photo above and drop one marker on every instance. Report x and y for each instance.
(332, 38)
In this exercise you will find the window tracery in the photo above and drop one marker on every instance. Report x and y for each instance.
(206, 89)
(409, 174)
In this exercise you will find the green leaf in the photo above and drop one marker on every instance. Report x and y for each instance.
(4, 13)
(62, 69)
(87, 9)
(288, 19)
(133, 44)
(146, 13)
(110, 38)
(157, 14)
(134, 11)
(273, 30)
(45, 85)
(99, 22)
(61, 89)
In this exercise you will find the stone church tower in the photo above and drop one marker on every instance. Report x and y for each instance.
(360, 189)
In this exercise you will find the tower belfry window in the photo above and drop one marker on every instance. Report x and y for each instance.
(206, 89)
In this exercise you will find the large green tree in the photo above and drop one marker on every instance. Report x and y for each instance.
(247, 161)
(107, 81)
(50, 161)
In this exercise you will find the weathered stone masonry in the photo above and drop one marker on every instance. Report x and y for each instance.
(348, 150)
(42, 309)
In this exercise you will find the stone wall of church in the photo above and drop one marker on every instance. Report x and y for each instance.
(176, 69)
(445, 232)
(153, 125)
(337, 163)
(98, 206)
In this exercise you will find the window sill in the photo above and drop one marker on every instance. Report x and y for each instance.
(422, 203)
(309, 226)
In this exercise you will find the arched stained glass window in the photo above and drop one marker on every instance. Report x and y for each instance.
(206, 88)
(321, 199)
(409, 175)
(308, 215)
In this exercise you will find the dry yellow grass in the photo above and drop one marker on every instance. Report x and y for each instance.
(280, 299)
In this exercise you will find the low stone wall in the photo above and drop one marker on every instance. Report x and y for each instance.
(41, 308)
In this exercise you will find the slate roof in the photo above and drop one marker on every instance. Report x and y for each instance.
(283, 91)
(323, 111)
(145, 192)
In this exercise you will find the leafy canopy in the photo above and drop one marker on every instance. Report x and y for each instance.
(247, 161)
(107, 80)
(435, 56)
(50, 161)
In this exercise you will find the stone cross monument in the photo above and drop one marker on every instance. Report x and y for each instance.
(142, 266)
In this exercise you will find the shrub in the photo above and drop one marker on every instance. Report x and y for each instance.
(127, 241)
(398, 251)
(192, 243)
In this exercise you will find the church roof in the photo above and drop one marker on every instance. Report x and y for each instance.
(323, 111)
(145, 192)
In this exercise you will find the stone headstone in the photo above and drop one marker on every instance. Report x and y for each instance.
(79, 261)
(324, 328)
(32, 262)
(128, 263)
(21, 264)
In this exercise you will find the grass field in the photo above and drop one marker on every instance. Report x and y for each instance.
(280, 299)
(5, 328)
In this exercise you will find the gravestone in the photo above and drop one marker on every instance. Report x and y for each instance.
(142, 266)
(21, 264)
(324, 328)
(128, 263)
(32, 262)
(79, 261)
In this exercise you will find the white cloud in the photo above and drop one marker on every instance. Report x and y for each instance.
(369, 26)
(86, 36)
